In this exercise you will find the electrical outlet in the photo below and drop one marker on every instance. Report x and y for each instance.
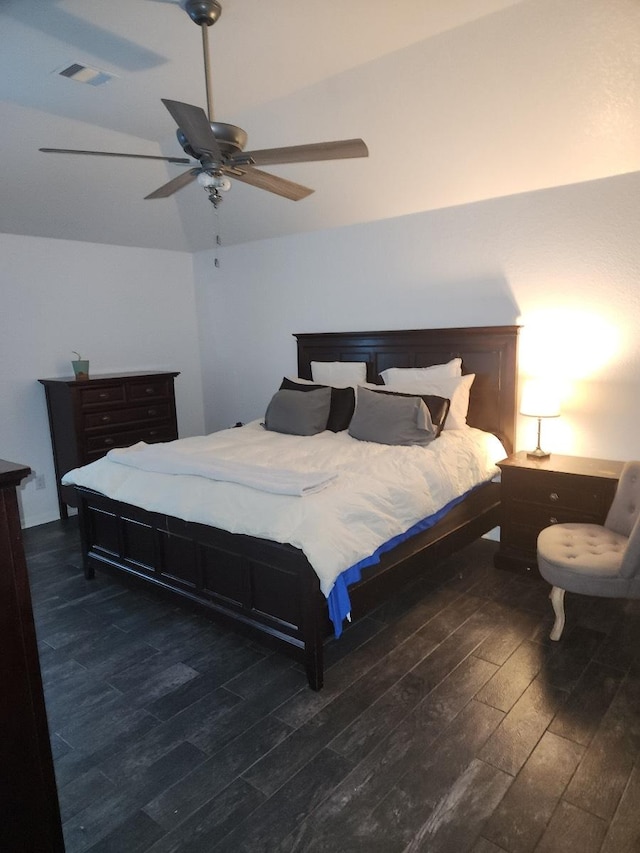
(40, 484)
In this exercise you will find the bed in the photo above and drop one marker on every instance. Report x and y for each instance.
(269, 589)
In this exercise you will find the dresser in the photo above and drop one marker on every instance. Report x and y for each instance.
(89, 417)
(536, 493)
(29, 811)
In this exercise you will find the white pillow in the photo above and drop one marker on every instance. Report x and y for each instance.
(436, 371)
(454, 388)
(339, 374)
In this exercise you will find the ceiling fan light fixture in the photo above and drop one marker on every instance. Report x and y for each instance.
(220, 182)
(206, 180)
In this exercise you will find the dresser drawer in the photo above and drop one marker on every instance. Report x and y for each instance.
(98, 445)
(150, 390)
(90, 397)
(116, 417)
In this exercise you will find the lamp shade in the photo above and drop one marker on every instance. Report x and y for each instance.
(540, 399)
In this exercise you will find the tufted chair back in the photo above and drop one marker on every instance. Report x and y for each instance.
(624, 517)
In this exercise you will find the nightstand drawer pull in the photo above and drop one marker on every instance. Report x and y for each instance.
(554, 496)
(105, 419)
(104, 395)
(553, 520)
(108, 441)
(150, 390)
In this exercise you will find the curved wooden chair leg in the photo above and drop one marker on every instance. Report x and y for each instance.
(557, 600)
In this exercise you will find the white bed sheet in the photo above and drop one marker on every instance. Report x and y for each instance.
(380, 491)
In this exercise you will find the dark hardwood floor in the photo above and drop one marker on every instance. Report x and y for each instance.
(448, 722)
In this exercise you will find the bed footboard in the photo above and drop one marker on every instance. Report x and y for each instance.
(266, 588)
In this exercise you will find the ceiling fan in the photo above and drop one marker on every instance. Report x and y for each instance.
(219, 147)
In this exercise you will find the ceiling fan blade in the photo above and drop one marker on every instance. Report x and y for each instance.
(338, 150)
(175, 184)
(271, 183)
(184, 160)
(195, 125)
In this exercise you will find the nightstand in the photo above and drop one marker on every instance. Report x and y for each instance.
(536, 493)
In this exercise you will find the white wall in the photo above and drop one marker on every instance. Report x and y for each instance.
(563, 262)
(123, 308)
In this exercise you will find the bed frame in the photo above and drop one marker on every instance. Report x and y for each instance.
(269, 589)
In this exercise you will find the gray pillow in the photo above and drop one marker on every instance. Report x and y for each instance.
(388, 419)
(298, 414)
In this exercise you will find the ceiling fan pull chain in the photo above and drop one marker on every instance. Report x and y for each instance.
(216, 260)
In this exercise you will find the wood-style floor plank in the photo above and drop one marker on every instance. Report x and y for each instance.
(528, 805)
(604, 771)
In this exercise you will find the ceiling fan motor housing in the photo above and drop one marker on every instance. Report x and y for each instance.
(231, 140)
(202, 12)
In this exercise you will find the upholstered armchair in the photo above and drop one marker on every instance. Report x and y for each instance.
(592, 559)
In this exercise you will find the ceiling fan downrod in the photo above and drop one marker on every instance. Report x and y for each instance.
(205, 13)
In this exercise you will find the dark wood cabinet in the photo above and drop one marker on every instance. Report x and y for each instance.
(89, 417)
(536, 493)
(30, 816)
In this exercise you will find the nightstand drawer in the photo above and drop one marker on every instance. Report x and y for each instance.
(555, 491)
(522, 526)
(524, 514)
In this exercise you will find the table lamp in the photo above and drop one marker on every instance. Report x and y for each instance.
(540, 399)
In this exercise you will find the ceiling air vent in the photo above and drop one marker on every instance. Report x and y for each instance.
(86, 74)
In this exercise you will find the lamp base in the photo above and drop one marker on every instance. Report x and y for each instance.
(538, 453)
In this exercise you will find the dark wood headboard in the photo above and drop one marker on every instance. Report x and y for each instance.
(491, 352)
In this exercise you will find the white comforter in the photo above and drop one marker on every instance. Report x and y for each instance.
(380, 491)
(179, 457)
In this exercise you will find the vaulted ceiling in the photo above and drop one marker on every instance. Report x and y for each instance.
(457, 100)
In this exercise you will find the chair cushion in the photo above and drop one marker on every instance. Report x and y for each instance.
(584, 558)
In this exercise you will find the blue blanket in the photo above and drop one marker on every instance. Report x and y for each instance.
(338, 600)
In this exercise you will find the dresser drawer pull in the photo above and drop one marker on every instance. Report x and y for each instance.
(105, 419)
(152, 433)
(554, 496)
(150, 390)
(152, 412)
(553, 520)
(104, 395)
(108, 441)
